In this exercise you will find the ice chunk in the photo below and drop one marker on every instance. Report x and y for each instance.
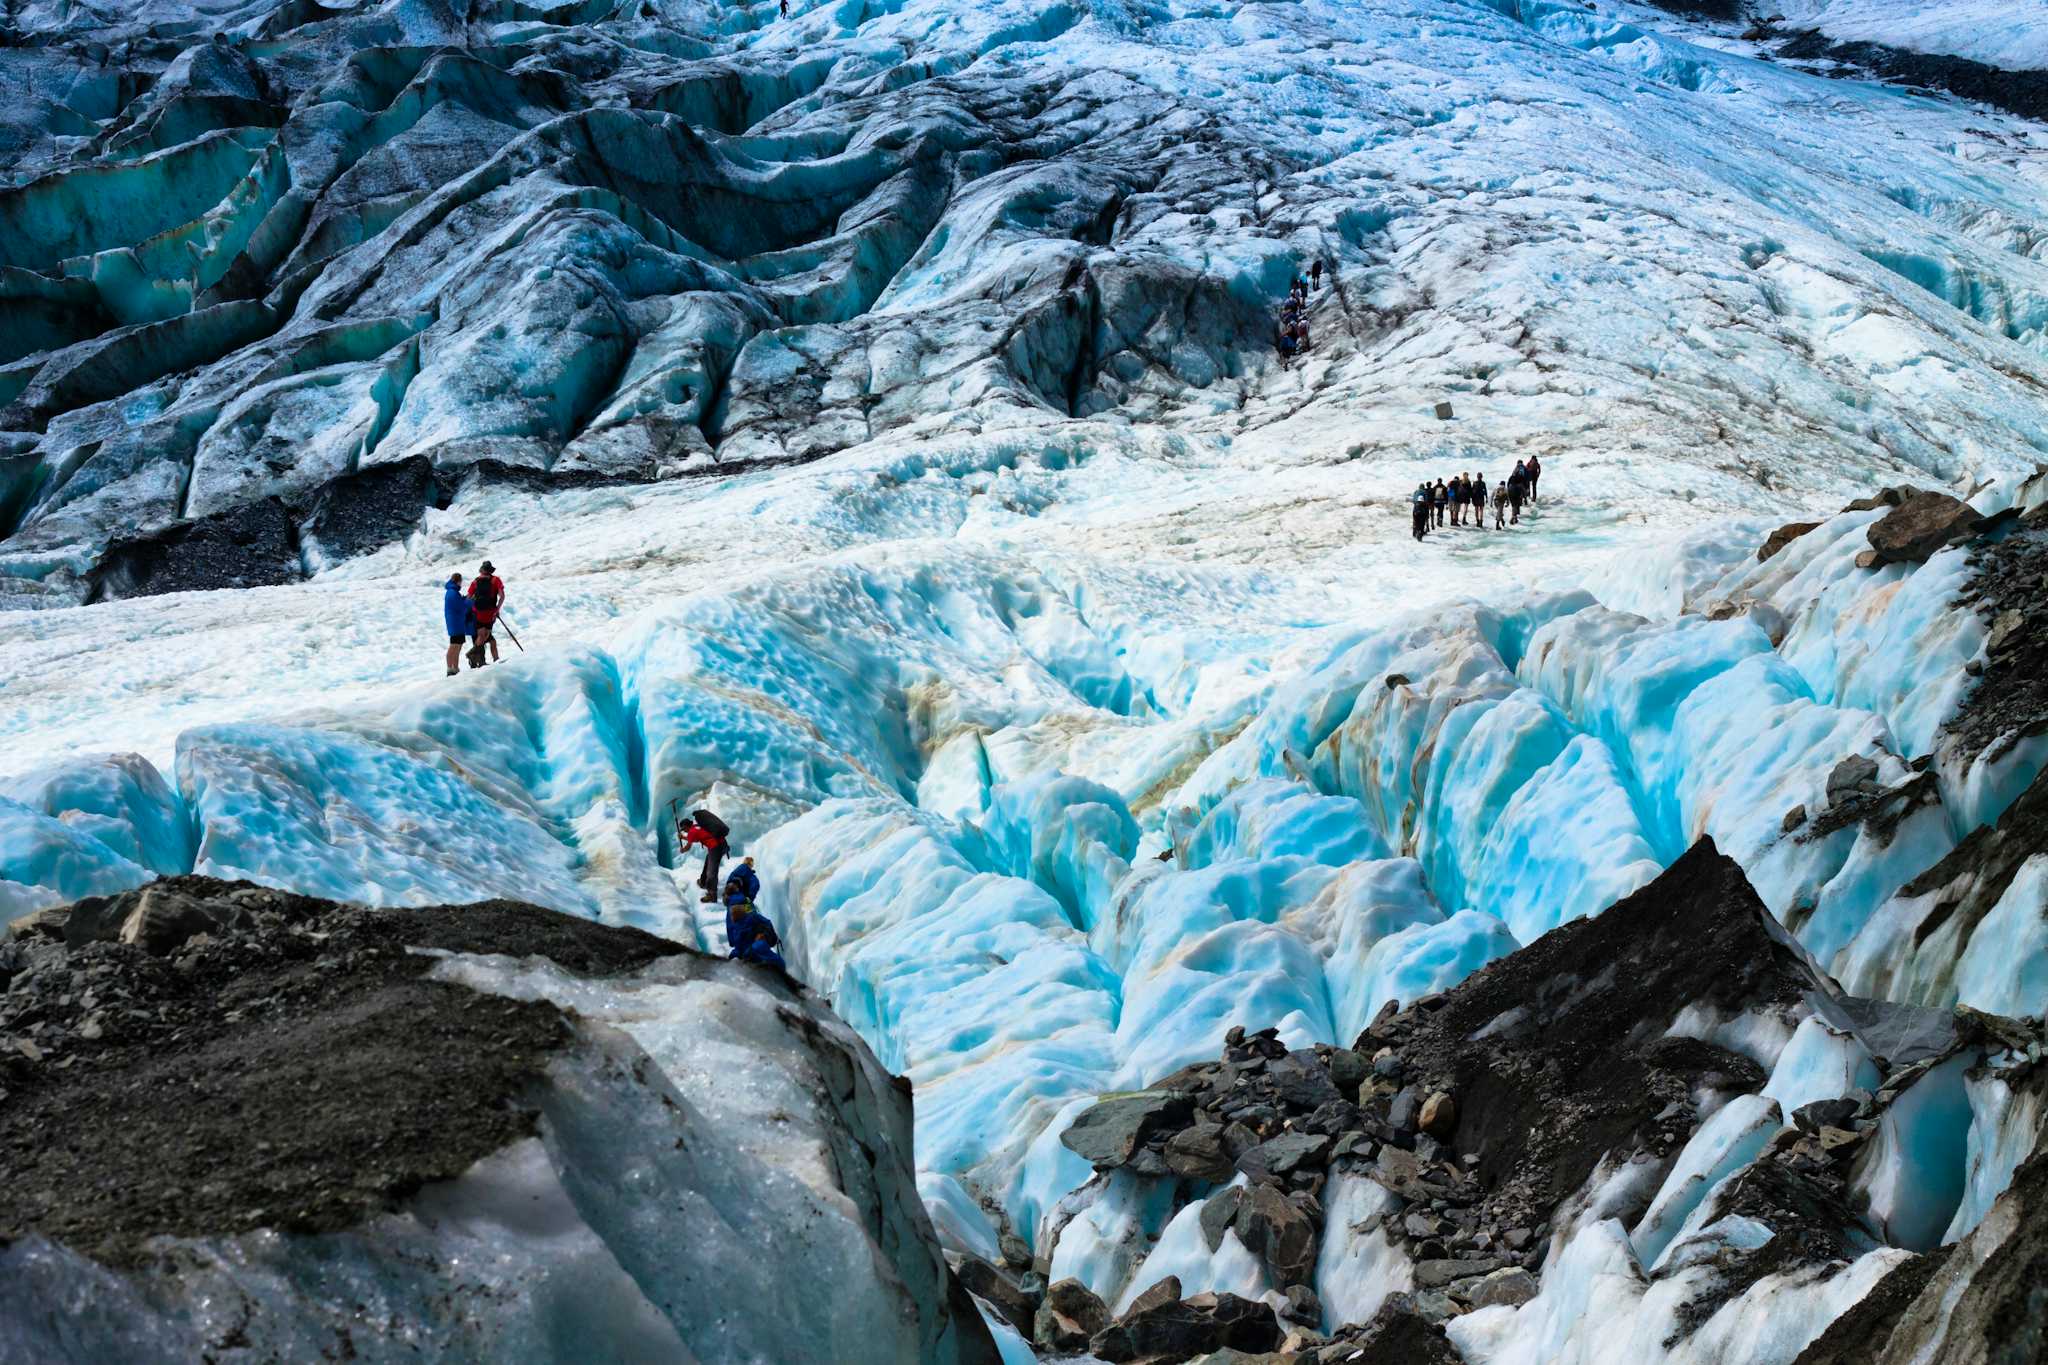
(1723, 1145)
(1820, 1063)
(1357, 1265)
(645, 1157)
(1420, 960)
(1272, 819)
(1183, 1251)
(45, 862)
(961, 1223)
(973, 984)
(120, 800)
(1069, 835)
(2006, 1122)
(350, 818)
(1915, 1170)
(2005, 968)
(1115, 1225)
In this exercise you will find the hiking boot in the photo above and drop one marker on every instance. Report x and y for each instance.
(708, 898)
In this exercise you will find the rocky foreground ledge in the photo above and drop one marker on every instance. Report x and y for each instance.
(1607, 1075)
(246, 1125)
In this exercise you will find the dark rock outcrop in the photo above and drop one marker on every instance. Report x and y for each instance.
(250, 1058)
(270, 1077)
(1167, 1331)
(2017, 92)
(1921, 523)
(999, 1292)
(1783, 536)
(1070, 1314)
(369, 508)
(251, 546)
(1520, 1033)
(1397, 1334)
(1113, 1132)
(2008, 589)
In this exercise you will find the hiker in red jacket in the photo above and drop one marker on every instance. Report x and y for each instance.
(710, 831)
(487, 597)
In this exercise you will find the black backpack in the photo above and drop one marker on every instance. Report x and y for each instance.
(710, 823)
(484, 592)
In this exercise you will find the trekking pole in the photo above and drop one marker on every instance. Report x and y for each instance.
(508, 630)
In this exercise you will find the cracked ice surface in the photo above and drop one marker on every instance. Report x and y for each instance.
(994, 557)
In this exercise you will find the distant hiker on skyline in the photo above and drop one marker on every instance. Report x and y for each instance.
(487, 598)
(460, 619)
(708, 830)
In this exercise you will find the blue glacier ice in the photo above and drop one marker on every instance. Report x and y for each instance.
(875, 414)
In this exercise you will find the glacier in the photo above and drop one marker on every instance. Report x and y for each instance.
(874, 416)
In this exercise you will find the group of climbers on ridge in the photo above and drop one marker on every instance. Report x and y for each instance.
(749, 936)
(472, 616)
(1463, 499)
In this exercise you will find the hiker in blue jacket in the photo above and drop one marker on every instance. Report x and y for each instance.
(744, 881)
(459, 616)
(749, 936)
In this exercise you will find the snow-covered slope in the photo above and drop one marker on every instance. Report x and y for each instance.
(2012, 34)
(874, 417)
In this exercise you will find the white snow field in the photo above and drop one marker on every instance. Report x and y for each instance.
(1063, 659)
(2005, 33)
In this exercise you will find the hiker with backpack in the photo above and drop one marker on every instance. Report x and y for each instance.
(1534, 470)
(712, 833)
(1443, 502)
(1315, 272)
(1518, 489)
(1420, 501)
(487, 599)
(1500, 507)
(460, 619)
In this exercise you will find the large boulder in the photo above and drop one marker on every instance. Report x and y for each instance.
(1165, 1333)
(1923, 521)
(1276, 1230)
(1109, 1133)
(1069, 1316)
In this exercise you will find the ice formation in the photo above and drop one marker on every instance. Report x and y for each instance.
(874, 415)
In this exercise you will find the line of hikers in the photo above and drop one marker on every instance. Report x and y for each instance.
(749, 936)
(1463, 499)
(1291, 338)
(472, 617)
